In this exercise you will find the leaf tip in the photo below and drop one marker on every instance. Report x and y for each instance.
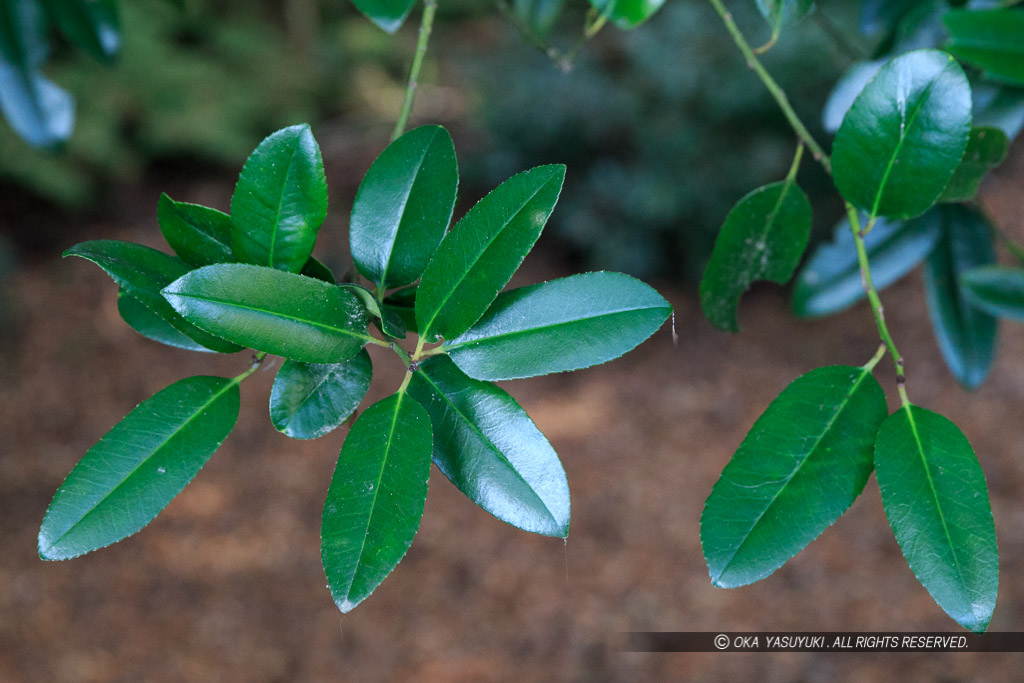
(346, 605)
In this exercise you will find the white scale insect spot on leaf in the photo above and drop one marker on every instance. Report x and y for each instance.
(161, 470)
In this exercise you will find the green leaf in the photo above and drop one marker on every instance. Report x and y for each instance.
(402, 303)
(487, 445)
(403, 207)
(763, 238)
(478, 257)
(269, 310)
(318, 271)
(376, 498)
(830, 280)
(561, 325)
(310, 399)
(388, 14)
(201, 236)
(966, 335)
(152, 326)
(804, 462)
(992, 40)
(539, 16)
(904, 135)
(92, 25)
(388, 321)
(141, 273)
(986, 149)
(627, 14)
(40, 112)
(280, 201)
(141, 464)
(997, 290)
(934, 494)
(779, 13)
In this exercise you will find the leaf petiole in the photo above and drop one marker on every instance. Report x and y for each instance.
(257, 361)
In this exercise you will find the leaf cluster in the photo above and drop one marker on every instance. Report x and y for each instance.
(247, 279)
(910, 149)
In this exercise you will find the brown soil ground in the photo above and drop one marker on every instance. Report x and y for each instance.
(226, 584)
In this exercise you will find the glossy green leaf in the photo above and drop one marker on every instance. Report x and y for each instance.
(376, 498)
(904, 135)
(92, 25)
(561, 325)
(540, 16)
(403, 304)
(40, 112)
(139, 466)
(763, 238)
(388, 14)
(269, 310)
(152, 326)
(318, 271)
(830, 280)
(997, 290)
(986, 149)
(480, 254)
(992, 40)
(627, 14)
(934, 494)
(280, 201)
(487, 445)
(966, 335)
(800, 467)
(201, 236)
(403, 207)
(388, 321)
(141, 273)
(779, 13)
(311, 399)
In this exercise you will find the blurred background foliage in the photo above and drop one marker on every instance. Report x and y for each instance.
(662, 128)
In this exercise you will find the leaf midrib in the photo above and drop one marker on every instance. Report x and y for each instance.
(841, 408)
(230, 384)
(314, 390)
(280, 202)
(401, 211)
(905, 133)
(456, 344)
(935, 497)
(476, 259)
(273, 314)
(376, 492)
(492, 447)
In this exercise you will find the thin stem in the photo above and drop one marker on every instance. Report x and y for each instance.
(773, 87)
(795, 166)
(436, 351)
(257, 360)
(426, 25)
(594, 23)
(873, 298)
(406, 379)
(370, 339)
(870, 365)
